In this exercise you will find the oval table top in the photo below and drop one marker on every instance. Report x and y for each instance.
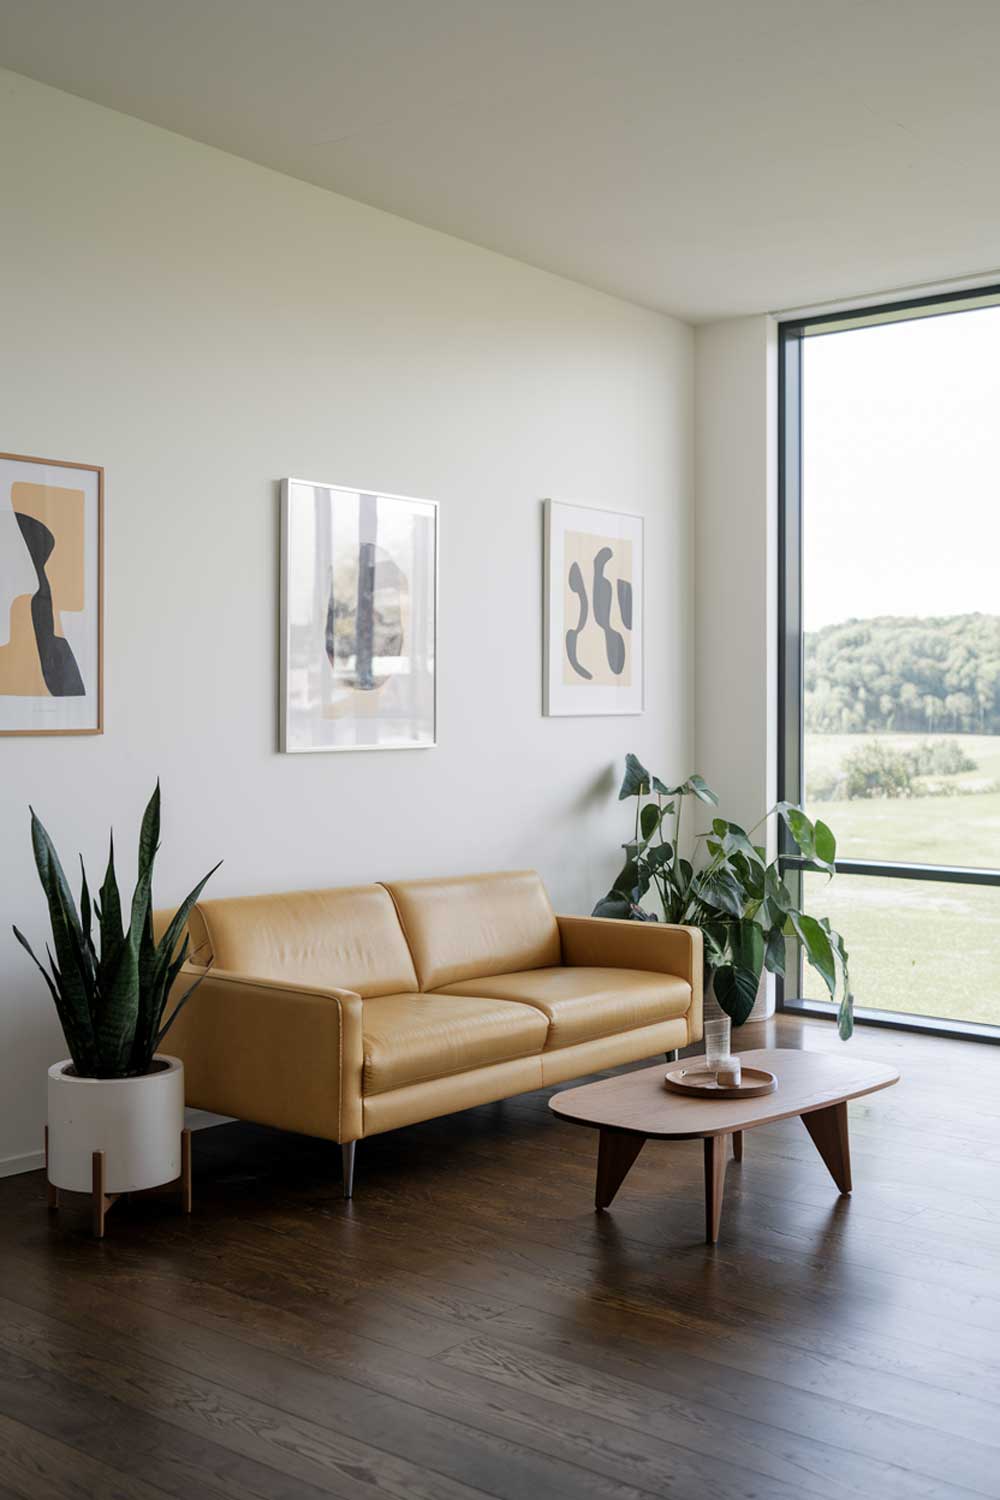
(641, 1103)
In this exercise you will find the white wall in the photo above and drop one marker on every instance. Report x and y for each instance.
(735, 692)
(202, 326)
(736, 563)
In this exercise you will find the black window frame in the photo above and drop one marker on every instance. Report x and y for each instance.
(791, 333)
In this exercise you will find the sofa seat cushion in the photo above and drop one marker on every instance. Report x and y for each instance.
(581, 1004)
(413, 1038)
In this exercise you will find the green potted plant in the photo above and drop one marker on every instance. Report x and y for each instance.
(730, 891)
(115, 1093)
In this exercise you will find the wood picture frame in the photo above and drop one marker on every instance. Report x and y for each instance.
(52, 538)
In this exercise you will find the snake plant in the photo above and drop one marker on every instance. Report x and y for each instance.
(738, 900)
(111, 996)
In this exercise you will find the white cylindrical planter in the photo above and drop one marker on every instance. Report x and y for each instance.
(136, 1122)
(764, 1005)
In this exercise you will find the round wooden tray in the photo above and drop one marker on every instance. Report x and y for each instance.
(700, 1083)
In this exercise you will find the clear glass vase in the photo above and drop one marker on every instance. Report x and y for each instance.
(718, 1041)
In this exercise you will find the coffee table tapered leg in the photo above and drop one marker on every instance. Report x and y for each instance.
(715, 1181)
(828, 1128)
(616, 1152)
(737, 1145)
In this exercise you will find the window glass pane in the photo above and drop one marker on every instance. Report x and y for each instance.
(925, 947)
(901, 588)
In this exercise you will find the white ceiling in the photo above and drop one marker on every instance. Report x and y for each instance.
(705, 157)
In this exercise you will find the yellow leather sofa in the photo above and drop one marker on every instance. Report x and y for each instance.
(343, 1013)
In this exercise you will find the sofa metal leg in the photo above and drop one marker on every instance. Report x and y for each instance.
(673, 1055)
(347, 1157)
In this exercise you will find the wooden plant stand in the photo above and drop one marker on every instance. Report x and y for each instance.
(102, 1201)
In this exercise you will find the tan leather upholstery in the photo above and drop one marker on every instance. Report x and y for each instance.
(612, 1051)
(659, 946)
(349, 937)
(476, 924)
(311, 1018)
(413, 1038)
(581, 1004)
(284, 1055)
(442, 1096)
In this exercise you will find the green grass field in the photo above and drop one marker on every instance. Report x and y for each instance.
(926, 948)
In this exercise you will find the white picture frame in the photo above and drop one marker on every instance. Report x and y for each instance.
(593, 659)
(359, 604)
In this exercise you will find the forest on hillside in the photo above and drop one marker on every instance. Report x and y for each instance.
(905, 674)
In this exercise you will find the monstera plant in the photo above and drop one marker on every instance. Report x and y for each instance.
(111, 995)
(730, 891)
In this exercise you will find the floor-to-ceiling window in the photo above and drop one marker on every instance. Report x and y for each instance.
(890, 646)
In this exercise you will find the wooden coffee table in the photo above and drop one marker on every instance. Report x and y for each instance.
(635, 1107)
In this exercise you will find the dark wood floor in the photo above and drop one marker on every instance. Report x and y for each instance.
(469, 1326)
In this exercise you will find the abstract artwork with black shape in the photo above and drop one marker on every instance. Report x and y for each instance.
(51, 596)
(59, 668)
(593, 610)
(597, 644)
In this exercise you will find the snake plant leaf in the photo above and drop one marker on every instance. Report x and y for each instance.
(118, 1013)
(39, 966)
(71, 949)
(110, 1005)
(179, 1007)
(77, 1039)
(736, 991)
(149, 832)
(168, 943)
(112, 932)
(154, 996)
(86, 920)
(149, 843)
(77, 977)
(636, 782)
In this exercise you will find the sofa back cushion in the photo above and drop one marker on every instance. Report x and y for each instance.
(472, 925)
(349, 938)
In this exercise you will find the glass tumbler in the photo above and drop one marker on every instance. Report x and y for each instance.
(718, 1042)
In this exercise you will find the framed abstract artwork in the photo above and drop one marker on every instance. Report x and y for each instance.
(594, 646)
(52, 587)
(358, 619)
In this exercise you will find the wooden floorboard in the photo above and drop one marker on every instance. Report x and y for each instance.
(468, 1326)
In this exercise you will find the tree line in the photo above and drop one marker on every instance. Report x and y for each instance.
(905, 674)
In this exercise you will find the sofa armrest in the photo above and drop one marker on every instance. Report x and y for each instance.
(279, 1054)
(658, 947)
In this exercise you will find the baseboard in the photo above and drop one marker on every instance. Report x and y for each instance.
(29, 1161)
(32, 1161)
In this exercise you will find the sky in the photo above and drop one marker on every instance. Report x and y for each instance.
(901, 469)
